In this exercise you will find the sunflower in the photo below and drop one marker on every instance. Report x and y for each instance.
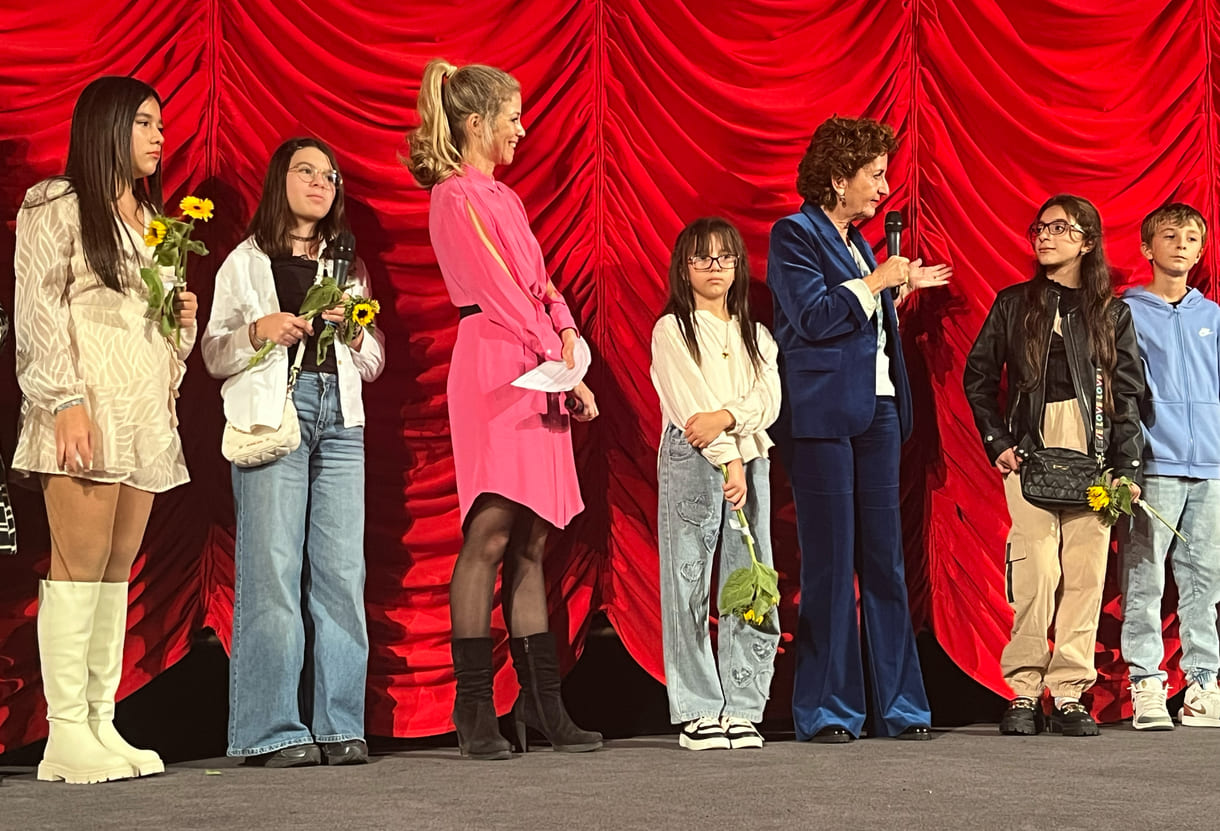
(363, 313)
(196, 208)
(1099, 497)
(155, 233)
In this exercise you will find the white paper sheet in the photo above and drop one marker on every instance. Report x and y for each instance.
(554, 376)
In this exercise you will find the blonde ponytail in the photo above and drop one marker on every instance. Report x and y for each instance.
(448, 95)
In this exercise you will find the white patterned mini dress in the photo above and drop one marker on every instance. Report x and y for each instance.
(76, 338)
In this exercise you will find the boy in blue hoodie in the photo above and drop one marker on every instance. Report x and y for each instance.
(1177, 331)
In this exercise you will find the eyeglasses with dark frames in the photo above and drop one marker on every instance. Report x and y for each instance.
(727, 261)
(1056, 228)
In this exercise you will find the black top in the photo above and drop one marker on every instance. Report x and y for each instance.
(1059, 385)
(293, 277)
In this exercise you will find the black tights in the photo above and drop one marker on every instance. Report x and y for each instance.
(499, 530)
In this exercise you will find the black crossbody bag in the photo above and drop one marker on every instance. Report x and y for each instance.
(1058, 478)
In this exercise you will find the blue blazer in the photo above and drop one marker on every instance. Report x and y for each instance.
(828, 348)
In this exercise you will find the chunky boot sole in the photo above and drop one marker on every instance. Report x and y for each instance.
(1085, 729)
(56, 772)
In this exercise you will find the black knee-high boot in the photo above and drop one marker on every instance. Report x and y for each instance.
(474, 713)
(540, 704)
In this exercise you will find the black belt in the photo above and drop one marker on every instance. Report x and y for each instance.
(467, 311)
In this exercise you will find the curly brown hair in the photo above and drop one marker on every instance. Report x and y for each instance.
(840, 147)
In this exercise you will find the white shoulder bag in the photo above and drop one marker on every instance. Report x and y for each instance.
(263, 444)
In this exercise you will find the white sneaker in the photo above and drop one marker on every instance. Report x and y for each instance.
(704, 734)
(741, 732)
(1201, 708)
(1148, 699)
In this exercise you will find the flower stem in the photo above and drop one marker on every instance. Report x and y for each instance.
(1164, 522)
(741, 519)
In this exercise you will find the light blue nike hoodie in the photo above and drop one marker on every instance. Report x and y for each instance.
(1180, 348)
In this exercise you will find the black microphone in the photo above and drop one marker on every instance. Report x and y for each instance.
(342, 253)
(893, 240)
(893, 234)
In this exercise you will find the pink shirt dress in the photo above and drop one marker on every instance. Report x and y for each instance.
(508, 441)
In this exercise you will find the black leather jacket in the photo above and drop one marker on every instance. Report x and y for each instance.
(1001, 342)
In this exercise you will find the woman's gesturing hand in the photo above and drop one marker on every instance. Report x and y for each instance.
(74, 439)
(735, 487)
(584, 408)
(283, 328)
(929, 276)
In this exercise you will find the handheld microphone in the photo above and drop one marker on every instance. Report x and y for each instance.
(341, 253)
(893, 234)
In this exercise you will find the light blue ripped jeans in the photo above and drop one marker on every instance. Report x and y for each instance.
(692, 521)
(1194, 506)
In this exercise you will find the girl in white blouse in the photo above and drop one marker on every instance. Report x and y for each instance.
(716, 376)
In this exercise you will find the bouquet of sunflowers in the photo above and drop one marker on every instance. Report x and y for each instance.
(170, 239)
(359, 313)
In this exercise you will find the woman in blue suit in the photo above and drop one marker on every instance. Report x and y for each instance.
(847, 408)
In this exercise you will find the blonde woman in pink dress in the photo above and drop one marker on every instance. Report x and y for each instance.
(512, 448)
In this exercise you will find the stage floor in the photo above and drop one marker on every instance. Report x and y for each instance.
(965, 778)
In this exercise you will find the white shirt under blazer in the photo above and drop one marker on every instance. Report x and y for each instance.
(245, 292)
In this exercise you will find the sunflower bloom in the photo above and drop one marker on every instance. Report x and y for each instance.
(155, 234)
(196, 208)
(1099, 498)
(376, 307)
(363, 313)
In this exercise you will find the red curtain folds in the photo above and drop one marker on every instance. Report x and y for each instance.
(642, 115)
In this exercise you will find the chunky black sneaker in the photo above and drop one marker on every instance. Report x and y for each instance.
(704, 734)
(1073, 720)
(1022, 718)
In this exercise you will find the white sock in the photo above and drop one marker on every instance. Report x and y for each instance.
(1060, 700)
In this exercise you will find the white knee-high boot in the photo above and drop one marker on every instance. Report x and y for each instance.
(65, 621)
(105, 671)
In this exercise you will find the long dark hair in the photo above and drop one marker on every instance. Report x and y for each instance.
(273, 218)
(1096, 295)
(99, 167)
(696, 241)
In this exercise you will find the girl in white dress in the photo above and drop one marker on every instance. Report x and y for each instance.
(98, 427)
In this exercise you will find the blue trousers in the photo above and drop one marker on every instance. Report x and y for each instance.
(300, 644)
(848, 526)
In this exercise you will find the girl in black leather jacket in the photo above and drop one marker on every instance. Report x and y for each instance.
(1052, 333)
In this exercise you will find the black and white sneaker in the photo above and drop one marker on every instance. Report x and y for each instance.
(741, 733)
(704, 734)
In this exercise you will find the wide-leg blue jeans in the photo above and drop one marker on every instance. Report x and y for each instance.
(300, 644)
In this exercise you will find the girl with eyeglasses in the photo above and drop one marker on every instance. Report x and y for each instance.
(300, 647)
(98, 423)
(512, 447)
(715, 373)
(1053, 333)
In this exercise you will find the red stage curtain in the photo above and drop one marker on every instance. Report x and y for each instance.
(642, 115)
